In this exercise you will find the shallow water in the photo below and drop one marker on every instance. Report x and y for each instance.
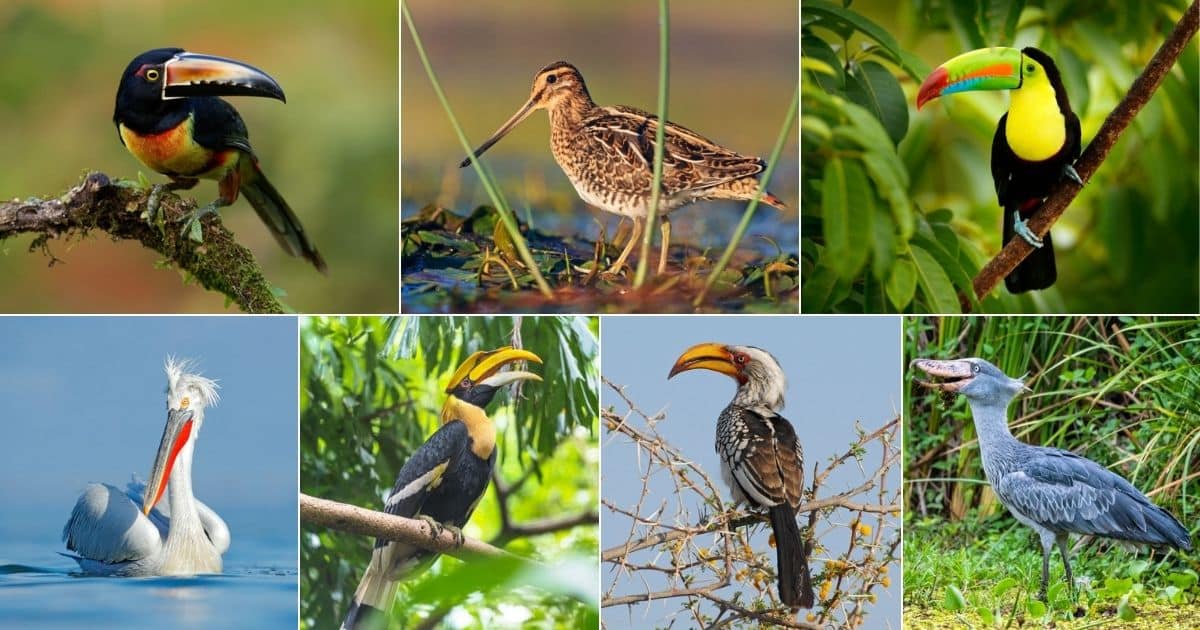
(258, 588)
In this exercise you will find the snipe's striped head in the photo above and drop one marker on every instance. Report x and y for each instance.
(553, 85)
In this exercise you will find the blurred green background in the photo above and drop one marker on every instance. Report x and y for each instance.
(733, 72)
(331, 150)
(1127, 244)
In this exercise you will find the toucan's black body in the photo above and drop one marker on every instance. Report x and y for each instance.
(1022, 185)
(169, 115)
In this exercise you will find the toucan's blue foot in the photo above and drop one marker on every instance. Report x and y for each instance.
(1072, 174)
(1020, 228)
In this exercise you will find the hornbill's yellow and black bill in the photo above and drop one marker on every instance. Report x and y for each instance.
(951, 376)
(996, 68)
(707, 356)
(191, 74)
(481, 368)
(175, 436)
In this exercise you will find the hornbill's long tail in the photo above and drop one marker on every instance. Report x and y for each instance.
(795, 581)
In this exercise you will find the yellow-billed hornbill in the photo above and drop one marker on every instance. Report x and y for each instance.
(761, 459)
(442, 481)
(170, 117)
(1036, 142)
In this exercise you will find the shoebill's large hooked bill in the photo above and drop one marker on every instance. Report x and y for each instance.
(131, 532)
(442, 481)
(170, 117)
(1036, 142)
(761, 459)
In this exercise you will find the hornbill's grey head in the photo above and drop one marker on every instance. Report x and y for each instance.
(760, 379)
(974, 378)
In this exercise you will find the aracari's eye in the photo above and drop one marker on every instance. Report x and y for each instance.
(152, 74)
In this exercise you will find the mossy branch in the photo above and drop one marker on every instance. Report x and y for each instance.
(1139, 94)
(218, 264)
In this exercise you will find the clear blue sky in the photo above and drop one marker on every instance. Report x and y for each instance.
(839, 370)
(81, 400)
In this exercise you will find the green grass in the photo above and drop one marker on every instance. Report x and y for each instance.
(986, 573)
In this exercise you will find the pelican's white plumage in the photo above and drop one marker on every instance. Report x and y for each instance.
(117, 531)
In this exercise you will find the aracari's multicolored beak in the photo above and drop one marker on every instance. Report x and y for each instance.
(192, 74)
(175, 436)
(984, 69)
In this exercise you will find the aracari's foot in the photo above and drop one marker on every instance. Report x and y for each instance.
(154, 203)
(1020, 228)
(1072, 174)
(191, 225)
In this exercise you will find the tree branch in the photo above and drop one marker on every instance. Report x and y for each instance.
(218, 264)
(1052, 209)
(356, 520)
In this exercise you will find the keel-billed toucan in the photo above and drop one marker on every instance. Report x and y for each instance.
(442, 481)
(1035, 145)
(169, 116)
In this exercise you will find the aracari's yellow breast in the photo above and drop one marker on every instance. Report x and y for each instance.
(1036, 129)
(175, 152)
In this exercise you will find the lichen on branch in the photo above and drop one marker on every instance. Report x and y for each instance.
(100, 203)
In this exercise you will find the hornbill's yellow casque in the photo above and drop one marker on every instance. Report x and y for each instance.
(761, 459)
(1035, 145)
(169, 116)
(443, 480)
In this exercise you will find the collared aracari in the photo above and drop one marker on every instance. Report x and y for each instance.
(169, 116)
(441, 482)
(1035, 146)
(762, 462)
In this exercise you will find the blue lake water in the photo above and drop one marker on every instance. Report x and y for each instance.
(258, 588)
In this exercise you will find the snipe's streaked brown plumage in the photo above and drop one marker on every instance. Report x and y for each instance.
(608, 154)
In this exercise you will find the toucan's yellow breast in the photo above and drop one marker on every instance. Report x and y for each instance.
(1036, 129)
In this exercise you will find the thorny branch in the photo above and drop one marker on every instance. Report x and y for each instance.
(664, 552)
(1052, 209)
(219, 264)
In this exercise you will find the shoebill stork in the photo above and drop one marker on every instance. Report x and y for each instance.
(442, 481)
(1055, 492)
(131, 532)
(761, 459)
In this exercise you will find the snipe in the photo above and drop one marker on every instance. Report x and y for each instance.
(608, 154)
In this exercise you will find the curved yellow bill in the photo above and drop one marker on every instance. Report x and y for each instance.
(706, 356)
(485, 363)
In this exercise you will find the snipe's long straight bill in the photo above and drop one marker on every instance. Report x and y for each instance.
(984, 69)
(528, 108)
(192, 74)
(175, 436)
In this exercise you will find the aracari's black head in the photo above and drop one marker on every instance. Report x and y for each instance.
(139, 94)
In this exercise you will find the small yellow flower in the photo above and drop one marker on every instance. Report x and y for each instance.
(886, 581)
(810, 617)
(864, 529)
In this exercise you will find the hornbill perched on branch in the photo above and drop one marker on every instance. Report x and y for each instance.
(1035, 145)
(443, 480)
(1055, 492)
(170, 117)
(761, 459)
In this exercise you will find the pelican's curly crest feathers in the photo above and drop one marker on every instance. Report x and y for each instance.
(180, 376)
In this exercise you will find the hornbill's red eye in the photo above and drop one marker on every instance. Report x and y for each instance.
(740, 358)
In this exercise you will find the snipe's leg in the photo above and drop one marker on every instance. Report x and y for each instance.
(633, 239)
(665, 228)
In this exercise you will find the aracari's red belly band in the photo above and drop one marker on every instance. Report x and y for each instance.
(175, 152)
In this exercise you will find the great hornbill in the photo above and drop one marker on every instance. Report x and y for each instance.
(169, 116)
(761, 459)
(1035, 145)
(442, 481)
(1055, 492)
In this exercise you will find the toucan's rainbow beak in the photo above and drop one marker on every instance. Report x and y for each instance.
(983, 69)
